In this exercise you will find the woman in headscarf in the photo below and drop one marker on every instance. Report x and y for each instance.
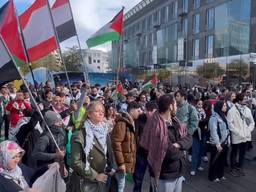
(15, 177)
(219, 138)
(90, 152)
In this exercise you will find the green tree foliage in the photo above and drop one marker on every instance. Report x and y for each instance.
(210, 70)
(238, 69)
(51, 62)
(72, 59)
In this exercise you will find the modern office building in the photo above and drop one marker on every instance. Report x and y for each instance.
(212, 39)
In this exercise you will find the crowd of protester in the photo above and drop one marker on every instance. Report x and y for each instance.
(99, 136)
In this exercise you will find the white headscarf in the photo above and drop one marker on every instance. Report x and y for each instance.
(8, 150)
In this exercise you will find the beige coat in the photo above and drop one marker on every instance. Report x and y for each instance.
(240, 127)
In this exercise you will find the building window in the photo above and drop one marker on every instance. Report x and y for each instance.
(144, 42)
(156, 18)
(209, 46)
(196, 23)
(94, 61)
(174, 9)
(196, 49)
(138, 27)
(144, 25)
(90, 60)
(209, 1)
(185, 6)
(196, 4)
(98, 61)
(163, 14)
(150, 40)
(170, 12)
(210, 18)
(172, 32)
(184, 26)
(149, 22)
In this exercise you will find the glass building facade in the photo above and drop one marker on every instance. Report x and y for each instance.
(190, 36)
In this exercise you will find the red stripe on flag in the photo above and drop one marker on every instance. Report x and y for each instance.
(42, 49)
(117, 22)
(59, 3)
(25, 17)
(10, 34)
(154, 80)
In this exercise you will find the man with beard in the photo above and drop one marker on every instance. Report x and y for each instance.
(94, 94)
(165, 139)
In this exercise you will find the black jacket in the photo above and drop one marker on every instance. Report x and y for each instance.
(8, 185)
(45, 148)
(173, 164)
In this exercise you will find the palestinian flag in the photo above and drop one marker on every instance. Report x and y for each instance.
(63, 20)
(8, 70)
(110, 32)
(10, 32)
(151, 84)
(117, 93)
(38, 30)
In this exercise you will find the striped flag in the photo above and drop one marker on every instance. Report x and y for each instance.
(9, 31)
(110, 32)
(63, 20)
(8, 70)
(38, 31)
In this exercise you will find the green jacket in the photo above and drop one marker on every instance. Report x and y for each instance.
(187, 114)
(86, 180)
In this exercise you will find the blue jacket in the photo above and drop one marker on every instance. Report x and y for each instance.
(216, 122)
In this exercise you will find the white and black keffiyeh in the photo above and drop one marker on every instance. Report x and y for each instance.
(99, 132)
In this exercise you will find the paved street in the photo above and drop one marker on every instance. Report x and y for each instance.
(200, 183)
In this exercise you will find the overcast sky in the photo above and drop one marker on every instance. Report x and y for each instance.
(89, 15)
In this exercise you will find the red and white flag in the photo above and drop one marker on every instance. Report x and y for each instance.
(63, 20)
(38, 31)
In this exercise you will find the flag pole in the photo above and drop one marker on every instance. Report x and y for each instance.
(119, 59)
(29, 91)
(58, 44)
(25, 50)
(120, 54)
(85, 68)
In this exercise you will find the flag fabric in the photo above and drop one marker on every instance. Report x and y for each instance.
(110, 32)
(9, 31)
(150, 84)
(117, 93)
(120, 88)
(38, 31)
(63, 20)
(8, 70)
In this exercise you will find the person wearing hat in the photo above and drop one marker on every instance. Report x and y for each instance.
(124, 143)
(45, 151)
